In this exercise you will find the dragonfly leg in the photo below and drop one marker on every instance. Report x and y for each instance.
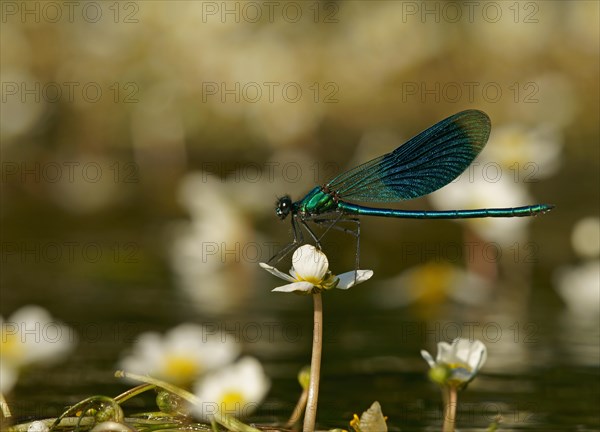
(333, 224)
(357, 221)
(357, 235)
(312, 234)
(298, 239)
(336, 227)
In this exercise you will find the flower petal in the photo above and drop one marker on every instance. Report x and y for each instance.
(8, 376)
(246, 379)
(296, 286)
(373, 420)
(347, 279)
(470, 352)
(478, 356)
(276, 272)
(310, 263)
(445, 353)
(427, 357)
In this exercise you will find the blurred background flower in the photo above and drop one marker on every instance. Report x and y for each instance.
(578, 286)
(207, 252)
(236, 390)
(502, 192)
(585, 237)
(432, 285)
(182, 355)
(30, 336)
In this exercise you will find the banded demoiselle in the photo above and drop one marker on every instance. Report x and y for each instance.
(425, 163)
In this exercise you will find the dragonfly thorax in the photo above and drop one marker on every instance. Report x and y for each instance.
(284, 206)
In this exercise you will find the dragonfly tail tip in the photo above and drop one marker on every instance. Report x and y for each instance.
(547, 208)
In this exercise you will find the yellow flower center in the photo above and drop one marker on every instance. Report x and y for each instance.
(181, 369)
(10, 347)
(453, 381)
(310, 279)
(328, 281)
(232, 402)
(516, 146)
(432, 281)
(453, 366)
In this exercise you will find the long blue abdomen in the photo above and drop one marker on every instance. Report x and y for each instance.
(530, 210)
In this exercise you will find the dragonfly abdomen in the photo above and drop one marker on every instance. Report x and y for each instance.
(531, 210)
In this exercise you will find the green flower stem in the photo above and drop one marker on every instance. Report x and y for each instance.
(229, 422)
(84, 405)
(133, 392)
(450, 409)
(310, 415)
(184, 394)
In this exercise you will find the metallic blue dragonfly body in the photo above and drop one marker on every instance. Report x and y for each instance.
(425, 163)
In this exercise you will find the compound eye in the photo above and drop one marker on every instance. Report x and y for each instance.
(283, 206)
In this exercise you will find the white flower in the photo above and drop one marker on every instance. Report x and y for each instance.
(585, 237)
(432, 283)
(28, 337)
(182, 355)
(579, 287)
(236, 390)
(206, 253)
(525, 154)
(310, 272)
(462, 360)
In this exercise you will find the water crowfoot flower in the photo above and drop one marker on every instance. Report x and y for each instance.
(310, 275)
(455, 366)
(236, 390)
(185, 353)
(31, 336)
(462, 359)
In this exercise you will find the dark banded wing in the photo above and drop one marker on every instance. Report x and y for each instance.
(420, 166)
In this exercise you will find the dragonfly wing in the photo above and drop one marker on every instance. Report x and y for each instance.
(420, 166)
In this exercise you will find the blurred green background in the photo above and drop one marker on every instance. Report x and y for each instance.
(144, 145)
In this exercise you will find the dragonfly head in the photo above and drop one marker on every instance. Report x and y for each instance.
(284, 206)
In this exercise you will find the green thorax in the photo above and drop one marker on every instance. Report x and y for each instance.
(316, 202)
